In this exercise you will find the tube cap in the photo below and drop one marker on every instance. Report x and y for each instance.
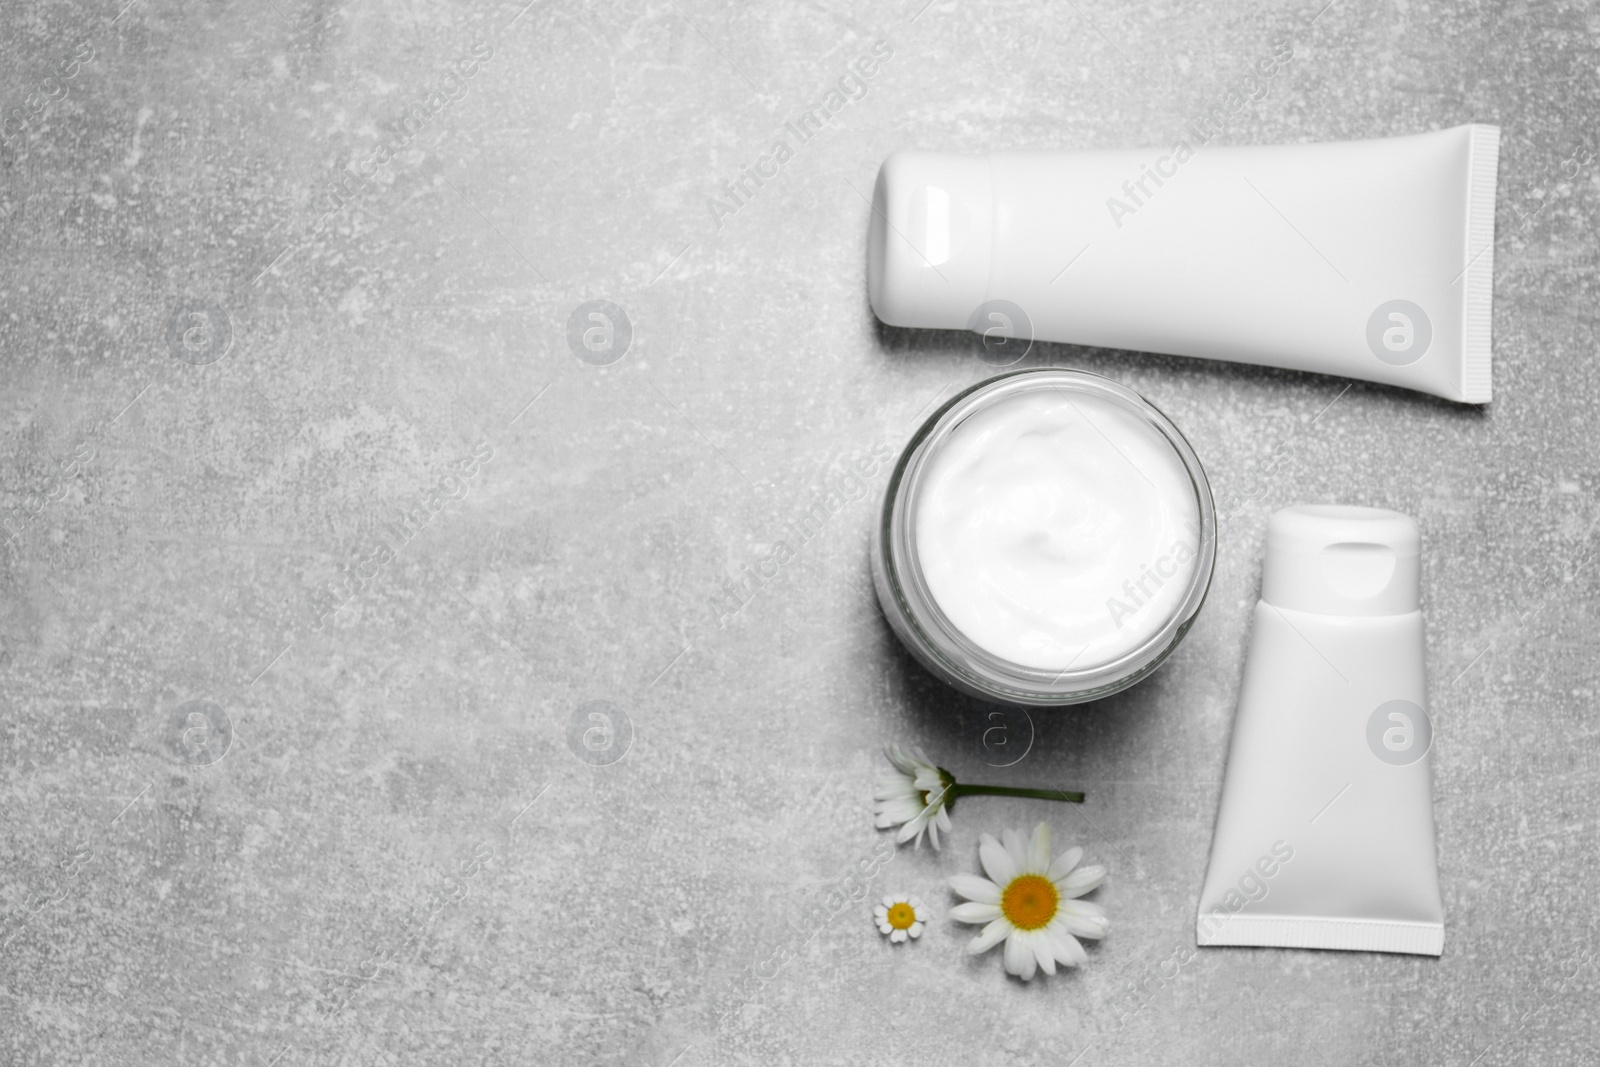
(1342, 560)
(929, 243)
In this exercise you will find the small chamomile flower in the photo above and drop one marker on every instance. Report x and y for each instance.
(912, 797)
(900, 917)
(918, 796)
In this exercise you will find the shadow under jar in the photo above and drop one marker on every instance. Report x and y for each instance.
(1047, 538)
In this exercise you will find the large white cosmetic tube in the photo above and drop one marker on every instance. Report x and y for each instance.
(1367, 259)
(1325, 833)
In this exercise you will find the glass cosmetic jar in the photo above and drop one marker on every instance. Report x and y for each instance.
(1047, 538)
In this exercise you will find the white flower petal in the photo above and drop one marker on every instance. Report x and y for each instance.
(880, 912)
(1020, 960)
(884, 927)
(895, 812)
(1084, 925)
(1039, 850)
(1064, 864)
(974, 912)
(1013, 952)
(913, 799)
(1018, 848)
(897, 936)
(989, 937)
(1043, 951)
(997, 861)
(1082, 880)
(901, 759)
(1066, 947)
(913, 828)
(914, 901)
(1083, 907)
(915, 930)
(974, 888)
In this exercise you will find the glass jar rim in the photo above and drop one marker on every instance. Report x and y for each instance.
(939, 642)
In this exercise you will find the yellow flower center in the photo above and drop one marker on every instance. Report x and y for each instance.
(1029, 901)
(902, 915)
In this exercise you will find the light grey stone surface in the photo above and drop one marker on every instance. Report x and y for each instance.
(170, 526)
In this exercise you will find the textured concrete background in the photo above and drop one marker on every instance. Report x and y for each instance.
(241, 827)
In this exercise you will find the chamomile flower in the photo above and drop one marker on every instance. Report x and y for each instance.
(900, 917)
(918, 796)
(912, 797)
(1031, 903)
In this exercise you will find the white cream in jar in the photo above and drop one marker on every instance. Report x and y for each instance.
(1047, 538)
(1057, 531)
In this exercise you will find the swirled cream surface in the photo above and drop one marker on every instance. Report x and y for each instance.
(1057, 529)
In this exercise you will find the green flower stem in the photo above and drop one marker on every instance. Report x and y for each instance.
(957, 791)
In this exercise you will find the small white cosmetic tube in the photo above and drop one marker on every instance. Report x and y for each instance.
(1325, 835)
(1367, 259)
